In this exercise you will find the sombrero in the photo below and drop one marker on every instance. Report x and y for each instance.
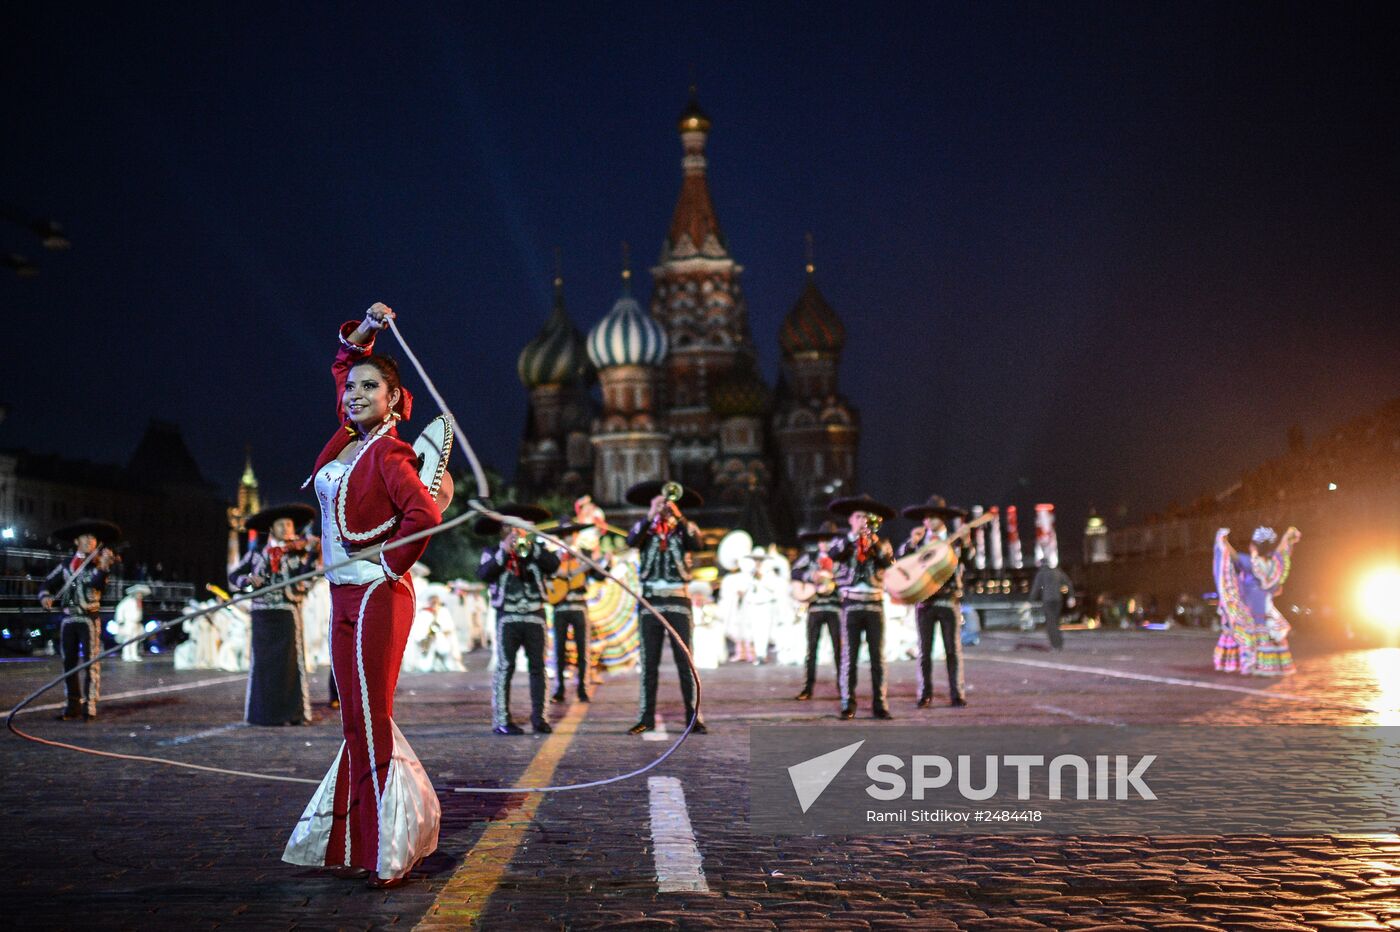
(643, 492)
(106, 532)
(935, 507)
(565, 528)
(825, 531)
(300, 513)
(862, 502)
(523, 510)
(138, 589)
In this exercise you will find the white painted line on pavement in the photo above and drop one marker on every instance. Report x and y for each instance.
(659, 733)
(1078, 716)
(199, 735)
(673, 844)
(134, 693)
(1166, 680)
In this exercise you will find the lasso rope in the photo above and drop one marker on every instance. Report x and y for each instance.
(475, 506)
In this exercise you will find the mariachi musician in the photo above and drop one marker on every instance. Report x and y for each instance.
(814, 575)
(664, 539)
(81, 579)
(863, 558)
(279, 691)
(516, 570)
(942, 609)
(571, 611)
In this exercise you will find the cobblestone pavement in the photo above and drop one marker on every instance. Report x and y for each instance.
(95, 843)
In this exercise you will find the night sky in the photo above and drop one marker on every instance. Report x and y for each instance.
(1087, 254)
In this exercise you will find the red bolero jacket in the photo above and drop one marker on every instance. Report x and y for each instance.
(381, 499)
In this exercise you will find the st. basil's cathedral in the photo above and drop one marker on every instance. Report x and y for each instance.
(681, 396)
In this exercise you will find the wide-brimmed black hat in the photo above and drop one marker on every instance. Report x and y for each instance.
(643, 492)
(106, 532)
(301, 514)
(862, 502)
(522, 510)
(565, 528)
(825, 531)
(935, 507)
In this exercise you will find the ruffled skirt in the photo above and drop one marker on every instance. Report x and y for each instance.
(409, 814)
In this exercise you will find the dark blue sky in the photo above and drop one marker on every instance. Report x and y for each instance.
(1085, 253)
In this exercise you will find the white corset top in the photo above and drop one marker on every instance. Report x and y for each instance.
(332, 547)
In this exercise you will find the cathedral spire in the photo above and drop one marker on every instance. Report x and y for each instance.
(694, 227)
(248, 479)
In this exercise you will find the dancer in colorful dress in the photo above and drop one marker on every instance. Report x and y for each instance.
(375, 815)
(1253, 634)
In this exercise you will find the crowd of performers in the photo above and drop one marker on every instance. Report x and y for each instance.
(375, 814)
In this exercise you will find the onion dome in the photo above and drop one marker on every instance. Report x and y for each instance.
(556, 355)
(693, 119)
(740, 392)
(627, 335)
(811, 326)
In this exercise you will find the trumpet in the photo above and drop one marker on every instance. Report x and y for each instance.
(523, 544)
(672, 492)
(873, 523)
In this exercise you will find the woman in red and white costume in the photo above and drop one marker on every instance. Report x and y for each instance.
(375, 815)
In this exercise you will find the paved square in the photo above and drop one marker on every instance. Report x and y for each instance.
(96, 843)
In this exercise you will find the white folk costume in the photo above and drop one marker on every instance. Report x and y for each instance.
(315, 624)
(376, 808)
(128, 622)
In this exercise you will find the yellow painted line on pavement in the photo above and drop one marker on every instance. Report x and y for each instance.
(462, 901)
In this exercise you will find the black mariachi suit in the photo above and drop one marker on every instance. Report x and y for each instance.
(572, 613)
(824, 611)
(942, 610)
(80, 632)
(517, 593)
(862, 586)
(279, 691)
(664, 570)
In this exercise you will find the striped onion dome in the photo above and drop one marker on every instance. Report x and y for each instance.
(556, 355)
(740, 392)
(811, 326)
(627, 335)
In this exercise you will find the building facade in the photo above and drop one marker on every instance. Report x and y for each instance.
(675, 391)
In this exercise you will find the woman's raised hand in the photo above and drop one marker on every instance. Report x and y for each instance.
(378, 316)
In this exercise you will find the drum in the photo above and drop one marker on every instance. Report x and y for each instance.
(915, 577)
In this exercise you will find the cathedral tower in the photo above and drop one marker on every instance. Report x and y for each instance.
(697, 298)
(817, 430)
(555, 455)
(628, 348)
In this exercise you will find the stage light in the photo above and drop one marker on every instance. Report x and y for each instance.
(1331, 486)
(7, 533)
(1378, 595)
